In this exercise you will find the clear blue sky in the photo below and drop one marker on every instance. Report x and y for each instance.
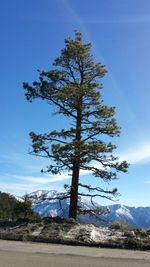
(32, 34)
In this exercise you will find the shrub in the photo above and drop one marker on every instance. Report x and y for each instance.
(12, 209)
(120, 225)
(23, 210)
(7, 204)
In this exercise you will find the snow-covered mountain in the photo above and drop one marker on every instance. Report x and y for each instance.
(137, 217)
(46, 204)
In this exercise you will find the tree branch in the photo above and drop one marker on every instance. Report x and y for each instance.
(95, 195)
(98, 189)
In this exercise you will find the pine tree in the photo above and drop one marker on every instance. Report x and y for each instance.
(74, 86)
(7, 204)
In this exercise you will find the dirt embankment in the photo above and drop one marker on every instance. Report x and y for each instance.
(66, 231)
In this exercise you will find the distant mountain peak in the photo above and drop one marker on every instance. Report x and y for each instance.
(44, 204)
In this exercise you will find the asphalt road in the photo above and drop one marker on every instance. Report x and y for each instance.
(25, 254)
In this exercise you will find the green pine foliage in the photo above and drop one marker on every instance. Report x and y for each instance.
(11, 209)
(23, 210)
(73, 86)
(7, 204)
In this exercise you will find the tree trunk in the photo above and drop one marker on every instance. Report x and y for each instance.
(76, 166)
(74, 192)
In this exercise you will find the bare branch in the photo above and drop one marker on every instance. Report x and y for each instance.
(64, 196)
(96, 195)
(98, 189)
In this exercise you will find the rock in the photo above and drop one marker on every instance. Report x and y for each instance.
(66, 231)
(130, 234)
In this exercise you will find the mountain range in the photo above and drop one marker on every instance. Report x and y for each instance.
(44, 204)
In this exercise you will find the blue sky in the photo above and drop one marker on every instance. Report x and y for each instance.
(32, 35)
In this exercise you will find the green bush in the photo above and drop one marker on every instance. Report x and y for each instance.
(120, 225)
(23, 210)
(11, 209)
(7, 204)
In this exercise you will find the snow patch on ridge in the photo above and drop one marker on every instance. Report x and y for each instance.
(124, 211)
